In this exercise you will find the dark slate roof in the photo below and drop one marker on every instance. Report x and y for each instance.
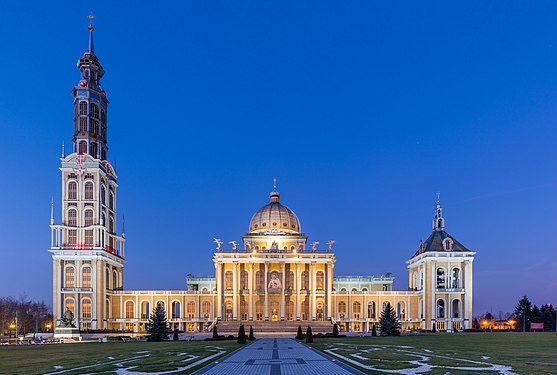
(435, 243)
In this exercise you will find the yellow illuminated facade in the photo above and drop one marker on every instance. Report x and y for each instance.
(274, 280)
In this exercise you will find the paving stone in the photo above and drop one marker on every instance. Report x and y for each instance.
(277, 357)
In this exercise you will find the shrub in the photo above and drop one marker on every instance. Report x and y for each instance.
(309, 336)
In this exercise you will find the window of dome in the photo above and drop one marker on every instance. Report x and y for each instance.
(274, 224)
(255, 226)
(293, 226)
(264, 224)
(285, 224)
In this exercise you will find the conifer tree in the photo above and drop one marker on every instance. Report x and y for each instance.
(215, 332)
(299, 335)
(523, 314)
(175, 336)
(335, 330)
(374, 330)
(309, 335)
(157, 326)
(388, 322)
(251, 336)
(241, 335)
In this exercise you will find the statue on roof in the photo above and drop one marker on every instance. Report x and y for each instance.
(218, 242)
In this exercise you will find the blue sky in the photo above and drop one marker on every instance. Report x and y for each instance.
(362, 110)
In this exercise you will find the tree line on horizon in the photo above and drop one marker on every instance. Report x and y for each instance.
(523, 315)
(32, 316)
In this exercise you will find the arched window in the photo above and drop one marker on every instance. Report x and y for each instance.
(259, 280)
(320, 280)
(290, 280)
(371, 310)
(93, 149)
(107, 309)
(111, 199)
(441, 308)
(440, 278)
(115, 284)
(94, 111)
(163, 306)
(86, 308)
(72, 190)
(89, 191)
(107, 274)
(305, 309)
(206, 309)
(305, 280)
(129, 310)
(83, 108)
(145, 312)
(175, 310)
(456, 308)
(103, 194)
(111, 227)
(70, 305)
(244, 280)
(228, 280)
(447, 244)
(191, 310)
(456, 278)
(82, 147)
(342, 309)
(72, 218)
(103, 116)
(86, 277)
(401, 311)
(70, 277)
(357, 309)
(364, 289)
(354, 289)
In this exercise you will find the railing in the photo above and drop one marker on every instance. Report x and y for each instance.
(449, 290)
(76, 289)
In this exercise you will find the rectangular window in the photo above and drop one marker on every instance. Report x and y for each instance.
(89, 237)
(72, 237)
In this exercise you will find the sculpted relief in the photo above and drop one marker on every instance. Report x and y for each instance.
(274, 283)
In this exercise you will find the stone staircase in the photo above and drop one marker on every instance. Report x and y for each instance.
(231, 327)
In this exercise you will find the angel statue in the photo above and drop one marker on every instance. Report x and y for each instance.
(330, 243)
(234, 245)
(314, 245)
(218, 242)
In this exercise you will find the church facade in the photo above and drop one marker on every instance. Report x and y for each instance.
(273, 277)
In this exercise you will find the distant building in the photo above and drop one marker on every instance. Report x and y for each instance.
(274, 277)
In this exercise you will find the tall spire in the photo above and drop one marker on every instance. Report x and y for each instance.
(91, 30)
(52, 212)
(438, 221)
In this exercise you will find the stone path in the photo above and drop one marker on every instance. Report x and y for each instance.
(280, 356)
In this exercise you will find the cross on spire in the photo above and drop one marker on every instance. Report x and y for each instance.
(90, 16)
(438, 197)
(275, 184)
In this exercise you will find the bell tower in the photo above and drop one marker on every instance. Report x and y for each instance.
(87, 252)
(90, 104)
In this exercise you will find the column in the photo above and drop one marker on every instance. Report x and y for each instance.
(330, 290)
(282, 302)
(219, 290)
(313, 288)
(266, 291)
(235, 289)
(467, 284)
(250, 287)
(298, 290)
(433, 294)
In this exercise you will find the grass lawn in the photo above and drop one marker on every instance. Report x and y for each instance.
(107, 357)
(441, 353)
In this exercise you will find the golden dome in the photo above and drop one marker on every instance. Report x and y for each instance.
(275, 218)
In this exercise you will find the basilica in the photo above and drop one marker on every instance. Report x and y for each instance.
(274, 280)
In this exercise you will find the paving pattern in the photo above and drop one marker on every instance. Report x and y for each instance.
(280, 356)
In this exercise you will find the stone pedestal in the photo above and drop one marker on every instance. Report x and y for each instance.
(66, 333)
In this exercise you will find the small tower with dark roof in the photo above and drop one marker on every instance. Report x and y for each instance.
(441, 271)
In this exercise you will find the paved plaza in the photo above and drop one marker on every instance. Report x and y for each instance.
(275, 357)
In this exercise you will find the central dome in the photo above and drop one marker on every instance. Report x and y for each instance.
(275, 217)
